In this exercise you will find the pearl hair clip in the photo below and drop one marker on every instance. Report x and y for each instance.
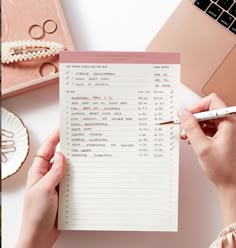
(23, 50)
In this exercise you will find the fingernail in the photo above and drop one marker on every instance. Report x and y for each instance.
(182, 113)
(57, 157)
(183, 135)
(183, 132)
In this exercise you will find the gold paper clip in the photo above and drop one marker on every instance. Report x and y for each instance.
(6, 133)
(7, 145)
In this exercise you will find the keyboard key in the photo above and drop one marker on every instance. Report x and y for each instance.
(232, 11)
(214, 11)
(233, 27)
(225, 19)
(225, 4)
(202, 4)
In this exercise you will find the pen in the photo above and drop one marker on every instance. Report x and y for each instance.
(207, 115)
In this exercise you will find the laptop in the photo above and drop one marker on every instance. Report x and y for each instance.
(204, 32)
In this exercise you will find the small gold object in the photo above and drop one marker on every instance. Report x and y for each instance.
(7, 145)
(33, 32)
(47, 68)
(45, 158)
(37, 32)
(49, 26)
(7, 133)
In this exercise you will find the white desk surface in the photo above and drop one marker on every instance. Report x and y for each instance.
(114, 26)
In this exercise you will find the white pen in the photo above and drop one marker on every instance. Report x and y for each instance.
(207, 115)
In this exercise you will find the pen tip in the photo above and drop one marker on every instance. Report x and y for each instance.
(167, 122)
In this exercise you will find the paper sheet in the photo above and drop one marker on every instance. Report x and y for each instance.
(122, 166)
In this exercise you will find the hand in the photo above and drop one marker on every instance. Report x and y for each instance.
(38, 228)
(214, 143)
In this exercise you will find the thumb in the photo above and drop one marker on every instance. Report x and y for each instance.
(56, 172)
(193, 130)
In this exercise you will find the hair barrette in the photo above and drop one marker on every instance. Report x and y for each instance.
(23, 50)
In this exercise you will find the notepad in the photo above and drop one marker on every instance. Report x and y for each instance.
(122, 165)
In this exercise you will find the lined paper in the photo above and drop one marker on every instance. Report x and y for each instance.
(122, 166)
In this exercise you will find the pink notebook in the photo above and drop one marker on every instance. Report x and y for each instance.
(17, 17)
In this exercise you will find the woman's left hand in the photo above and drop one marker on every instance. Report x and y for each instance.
(39, 227)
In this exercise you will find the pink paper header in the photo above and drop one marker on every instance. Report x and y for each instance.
(119, 57)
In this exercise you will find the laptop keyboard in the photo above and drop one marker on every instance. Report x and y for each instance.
(223, 11)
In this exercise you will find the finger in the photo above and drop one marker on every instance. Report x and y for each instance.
(210, 102)
(192, 129)
(208, 123)
(188, 141)
(209, 128)
(48, 148)
(183, 135)
(209, 131)
(225, 127)
(55, 174)
(41, 166)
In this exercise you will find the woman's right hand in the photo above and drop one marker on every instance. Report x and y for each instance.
(214, 143)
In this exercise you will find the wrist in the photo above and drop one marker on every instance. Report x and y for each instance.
(31, 240)
(228, 202)
(28, 243)
(24, 243)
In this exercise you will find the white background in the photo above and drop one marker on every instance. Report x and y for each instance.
(109, 25)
